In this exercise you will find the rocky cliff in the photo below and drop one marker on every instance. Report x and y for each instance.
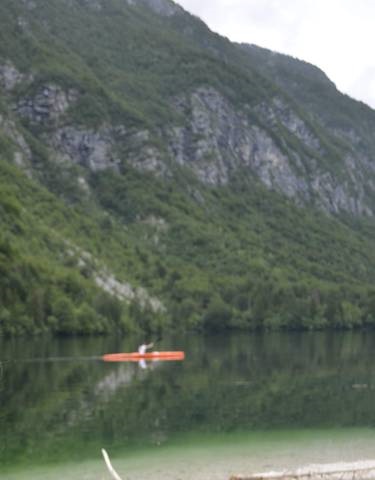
(268, 140)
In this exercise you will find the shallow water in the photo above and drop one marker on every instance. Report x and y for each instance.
(238, 404)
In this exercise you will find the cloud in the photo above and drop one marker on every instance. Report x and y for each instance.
(364, 86)
(335, 35)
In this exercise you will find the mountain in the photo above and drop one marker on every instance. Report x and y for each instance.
(156, 175)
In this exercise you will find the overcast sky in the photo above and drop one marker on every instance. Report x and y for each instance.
(336, 35)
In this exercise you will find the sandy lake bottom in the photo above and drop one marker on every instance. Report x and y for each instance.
(217, 457)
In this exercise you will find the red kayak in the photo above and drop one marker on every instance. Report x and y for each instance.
(135, 356)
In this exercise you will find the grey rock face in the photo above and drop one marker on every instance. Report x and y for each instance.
(126, 292)
(277, 111)
(9, 128)
(23, 24)
(218, 140)
(22, 154)
(99, 150)
(107, 281)
(90, 149)
(335, 198)
(142, 154)
(48, 105)
(9, 76)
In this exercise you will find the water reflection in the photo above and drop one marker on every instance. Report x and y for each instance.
(59, 398)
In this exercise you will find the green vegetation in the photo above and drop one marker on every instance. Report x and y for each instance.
(252, 259)
(41, 288)
(245, 261)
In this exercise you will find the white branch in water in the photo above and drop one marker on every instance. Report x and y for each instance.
(112, 471)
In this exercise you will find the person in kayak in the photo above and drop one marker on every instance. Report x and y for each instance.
(144, 347)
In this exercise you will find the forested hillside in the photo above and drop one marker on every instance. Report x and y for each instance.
(154, 175)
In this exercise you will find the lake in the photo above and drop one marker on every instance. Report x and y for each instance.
(239, 403)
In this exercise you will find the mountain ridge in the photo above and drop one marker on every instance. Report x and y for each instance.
(237, 188)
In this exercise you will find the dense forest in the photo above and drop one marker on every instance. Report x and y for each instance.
(249, 273)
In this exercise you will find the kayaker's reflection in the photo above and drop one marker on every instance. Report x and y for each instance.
(142, 363)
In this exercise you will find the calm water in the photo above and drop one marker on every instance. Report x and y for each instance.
(238, 403)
